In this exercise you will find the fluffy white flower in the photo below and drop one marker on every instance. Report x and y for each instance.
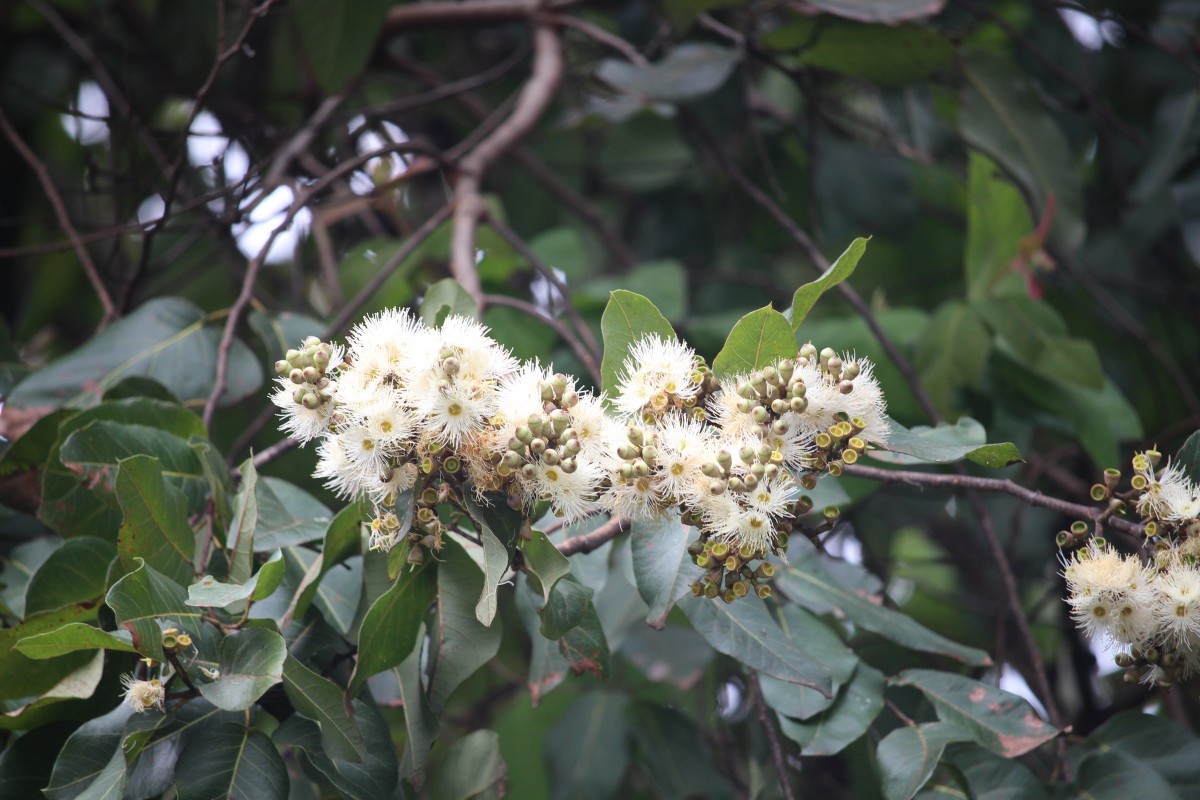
(299, 422)
(685, 445)
(865, 401)
(655, 372)
(572, 495)
(1177, 609)
(143, 695)
(1111, 596)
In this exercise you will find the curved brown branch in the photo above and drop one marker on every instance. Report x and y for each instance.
(474, 12)
(764, 717)
(535, 96)
(587, 542)
(581, 352)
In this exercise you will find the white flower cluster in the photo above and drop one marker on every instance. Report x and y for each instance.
(1152, 609)
(143, 695)
(439, 410)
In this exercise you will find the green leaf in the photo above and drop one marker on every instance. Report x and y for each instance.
(1176, 129)
(74, 573)
(140, 598)
(759, 338)
(989, 777)
(944, 444)
(627, 318)
(1140, 755)
(447, 298)
(88, 754)
(208, 592)
(952, 352)
(322, 701)
(886, 11)
(885, 55)
(909, 754)
(471, 767)
(335, 37)
(997, 221)
(588, 748)
(999, 720)
(155, 526)
(420, 720)
(1002, 116)
(662, 568)
(22, 679)
(154, 740)
(688, 71)
(389, 629)
(459, 642)
(27, 762)
(1188, 457)
(499, 528)
(1037, 336)
(544, 564)
(745, 631)
(251, 662)
(373, 776)
(168, 339)
(240, 539)
(19, 567)
(852, 712)
(287, 516)
(810, 586)
(565, 608)
(547, 665)
(663, 282)
(808, 294)
(824, 647)
(72, 637)
(671, 742)
(585, 645)
(231, 761)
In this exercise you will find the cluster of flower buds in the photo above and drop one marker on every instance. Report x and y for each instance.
(840, 373)
(728, 569)
(1165, 665)
(306, 369)
(838, 445)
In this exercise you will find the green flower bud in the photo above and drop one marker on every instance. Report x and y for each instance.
(512, 460)
(760, 414)
(717, 487)
(572, 446)
(798, 405)
(626, 472)
(311, 401)
(537, 446)
(528, 472)
(725, 460)
(735, 484)
(550, 457)
(627, 452)
(640, 468)
(296, 376)
(635, 435)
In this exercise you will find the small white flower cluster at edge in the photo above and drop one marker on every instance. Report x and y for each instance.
(404, 396)
(1152, 609)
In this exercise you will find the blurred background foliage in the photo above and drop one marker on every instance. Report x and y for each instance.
(1027, 173)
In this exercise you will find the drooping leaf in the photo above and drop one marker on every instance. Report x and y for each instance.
(1188, 457)
(389, 629)
(944, 444)
(909, 754)
(22, 563)
(662, 568)
(588, 749)
(74, 573)
(687, 72)
(1000, 721)
(333, 36)
(841, 269)
(759, 338)
(231, 761)
(1140, 755)
(745, 631)
(824, 647)
(420, 720)
(459, 642)
(852, 712)
(584, 643)
(322, 701)
(374, 775)
(211, 593)
(251, 661)
(810, 586)
(1037, 336)
(168, 339)
(447, 298)
(997, 220)
(544, 563)
(72, 637)
(951, 354)
(471, 767)
(154, 525)
(87, 754)
(565, 608)
(155, 739)
(627, 318)
(142, 597)
(240, 539)
(287, 516)
(499, 527)
(23, 679)
(989, 777)
(1002, 116)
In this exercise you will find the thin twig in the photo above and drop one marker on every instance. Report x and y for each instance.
(587, 542)
(535, 96)
(458, 14)
(777, 754)
(541, 316)
(64, 219)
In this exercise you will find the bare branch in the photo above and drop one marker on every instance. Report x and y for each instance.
(587, 542)
(460, 14)
(581, 352)
(777, 754)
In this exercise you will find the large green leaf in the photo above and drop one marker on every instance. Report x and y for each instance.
(287, 515)
(74, 573)
(154, 525)
(585, 646)
(231, 762)
(944, 444)
(812, 587)
(459, 642)
(627, 318)
(420, 720)
(807, 295)
(471, 767)
(999, 720)
(322, 701)
(852, 712)
(951, 354)
(211, 593)
(499, 528)
(371, 776)
(240, 538)
(334, 35)
(1002, 116)
(142, 597)
(389, 629)
(251, 662)
(565, 608)
(87, 755)
(72, 637)
(689, 71)
(759, 338)
(662, 568)
(1150, 750)
(988, 776)
(883, 54)
(745, 631)
(671, 742)
(544, 564)
(908, 756)
(588, 749)
(447, 298)
(997, 220)
(22, 679)
(22, 563)
(823, 646)
(1037, 335)
(1188, 457)
(154, 740)
(168, 339)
